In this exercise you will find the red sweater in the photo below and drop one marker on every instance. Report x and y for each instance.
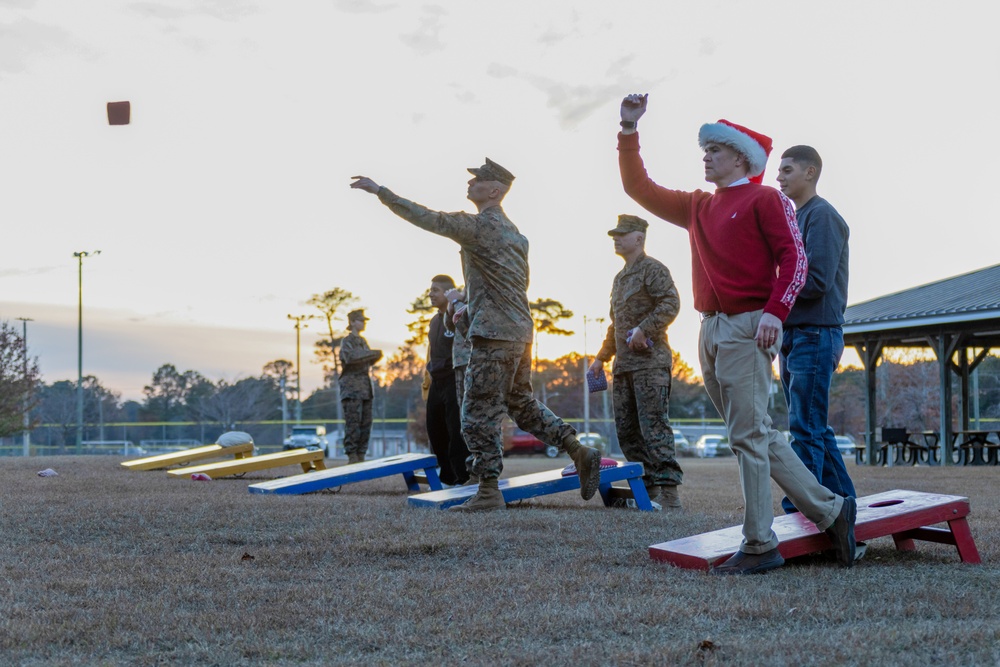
(746, 249)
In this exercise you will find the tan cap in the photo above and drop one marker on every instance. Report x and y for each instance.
(629, 223)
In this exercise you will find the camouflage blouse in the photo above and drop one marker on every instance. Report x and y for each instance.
(495, 263)
(643, 296)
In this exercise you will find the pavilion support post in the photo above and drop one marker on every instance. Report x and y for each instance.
(944, 346)
(870, 352)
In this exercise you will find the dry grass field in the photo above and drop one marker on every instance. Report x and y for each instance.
(105, 566)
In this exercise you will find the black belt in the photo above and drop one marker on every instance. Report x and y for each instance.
(708, 314)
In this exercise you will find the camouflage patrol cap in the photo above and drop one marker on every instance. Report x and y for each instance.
(358, 314)
(629, 223)
(491, 171)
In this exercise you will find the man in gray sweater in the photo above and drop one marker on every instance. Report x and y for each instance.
(813, 338)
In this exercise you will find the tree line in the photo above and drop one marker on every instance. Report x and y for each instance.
(908, 385)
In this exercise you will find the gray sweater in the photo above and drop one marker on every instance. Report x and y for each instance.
(825, 235)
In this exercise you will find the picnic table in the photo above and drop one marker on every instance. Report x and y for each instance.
(898, 446)
(977, 447)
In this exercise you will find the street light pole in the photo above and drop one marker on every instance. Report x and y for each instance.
(27, 396)
(586, 388)
(79, 348)
(299, 325)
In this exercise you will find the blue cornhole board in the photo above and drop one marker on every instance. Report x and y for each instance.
(544, 483)
(405, 464)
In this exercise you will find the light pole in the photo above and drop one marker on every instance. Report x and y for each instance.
(299, 325)
(79, 348)
(27, 393)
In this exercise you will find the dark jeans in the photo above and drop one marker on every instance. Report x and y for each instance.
(444, 429)
(809, 356)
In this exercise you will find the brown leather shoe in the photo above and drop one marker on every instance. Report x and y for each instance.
(743, 563)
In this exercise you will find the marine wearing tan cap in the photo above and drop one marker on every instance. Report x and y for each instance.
(491, 171)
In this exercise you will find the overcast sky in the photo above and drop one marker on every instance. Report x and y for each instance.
(225, 204)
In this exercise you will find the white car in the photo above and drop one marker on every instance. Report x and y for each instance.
(308, 436)
(711, 445)
(595, 440)
(846, 447)
(682, 447)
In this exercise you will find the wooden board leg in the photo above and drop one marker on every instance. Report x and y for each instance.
(433, 480)
(903, 543)
(640, 494)
(963, 541)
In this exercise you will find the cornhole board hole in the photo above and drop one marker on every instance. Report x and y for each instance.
(309, 459)
(404, 464)
(185, 456)
(544, 483)
(905, 515)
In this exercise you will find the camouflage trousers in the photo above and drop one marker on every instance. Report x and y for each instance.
(498, 383)
(357, 425)
(642, 403)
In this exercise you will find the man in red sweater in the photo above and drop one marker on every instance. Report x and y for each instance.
(748, 266)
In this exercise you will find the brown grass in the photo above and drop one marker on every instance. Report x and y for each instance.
(107, 566)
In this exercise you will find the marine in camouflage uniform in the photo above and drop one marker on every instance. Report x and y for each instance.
(457, 322)
(356, 360)
(497, 382)
(643, 297)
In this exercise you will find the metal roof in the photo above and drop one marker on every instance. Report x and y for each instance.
(970, 297)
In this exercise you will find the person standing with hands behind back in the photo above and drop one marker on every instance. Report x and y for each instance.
(356, 394)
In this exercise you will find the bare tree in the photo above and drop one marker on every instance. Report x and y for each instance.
(247, 400)
(19, 378)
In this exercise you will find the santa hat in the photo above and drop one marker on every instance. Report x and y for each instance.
(755, 147)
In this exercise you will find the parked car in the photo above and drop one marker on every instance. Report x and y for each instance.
(595, 440)
(711, 445)
(310, 436)
(522, 442)
(682, 446)
(846, 447)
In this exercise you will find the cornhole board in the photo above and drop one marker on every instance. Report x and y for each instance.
(185, 456)
(544, 483)
(905, 515)
(404, 464)
(309, 459)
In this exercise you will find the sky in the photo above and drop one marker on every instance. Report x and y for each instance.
(225, 204)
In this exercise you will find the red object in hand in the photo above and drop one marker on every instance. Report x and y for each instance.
(119, 113)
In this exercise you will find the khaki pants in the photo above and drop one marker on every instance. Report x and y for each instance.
(738, 379)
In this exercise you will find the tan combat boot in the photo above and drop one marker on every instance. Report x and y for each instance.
(670, 498)
(588, 466)
(487, 499)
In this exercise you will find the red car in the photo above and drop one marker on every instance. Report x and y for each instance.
(522, 442)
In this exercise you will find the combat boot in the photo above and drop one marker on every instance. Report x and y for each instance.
(669, 498)
(472, 481)
(487, 499)
(588, 466)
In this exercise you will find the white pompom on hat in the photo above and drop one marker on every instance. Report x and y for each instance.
(754, 146)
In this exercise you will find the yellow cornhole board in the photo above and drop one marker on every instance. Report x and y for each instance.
(187, 455)
(309, 459)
